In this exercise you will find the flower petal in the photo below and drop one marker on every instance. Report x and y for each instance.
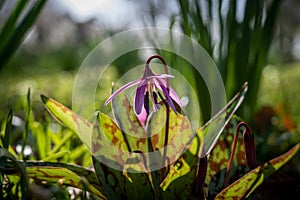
(128, 85)
(166, 93)
(143, 116)
(172, 93)
(160, 76)
(139, 97)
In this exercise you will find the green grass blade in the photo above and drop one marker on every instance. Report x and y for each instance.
(8, 130)
(11, 23)
(16, 37)
(26, 126)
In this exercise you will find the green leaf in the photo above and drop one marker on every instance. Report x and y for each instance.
(108, 140)
(180, 179)
(82, 127)
(214, 127)
(111, 180)
(179, 134)
(107, 146)
(27, 120)
(219, 157)
(138, 184)
(117, 168)
(16, 27)
(128, 122)
(244, 186)
(181, 176)
(19, 166)
(65, 174)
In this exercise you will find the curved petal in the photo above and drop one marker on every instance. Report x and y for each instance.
(166, 93)
(128, 85)
(139, 97)
(173, 94)
(143, 116)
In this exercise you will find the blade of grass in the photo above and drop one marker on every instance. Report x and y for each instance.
(8, 130)
(10, 24)
(26, 126)
(16, 38)
(57, 155)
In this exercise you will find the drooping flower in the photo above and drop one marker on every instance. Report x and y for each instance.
(149, 87)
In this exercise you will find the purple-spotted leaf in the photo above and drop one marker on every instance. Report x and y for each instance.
(82, 127)
(219, 157)
(244, 186)
(215, 126)
(129, 123)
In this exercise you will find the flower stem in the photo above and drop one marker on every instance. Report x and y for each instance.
(163, 61)
(166, 130)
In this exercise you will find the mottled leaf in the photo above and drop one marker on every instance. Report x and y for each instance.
(178, 183)
(244, 186)
(179, 134)
(111, 180)
(138, 184)
(108, 140)
(219, 157)
(129, 123)
(214, 127)
(73, 121)
(65, 174)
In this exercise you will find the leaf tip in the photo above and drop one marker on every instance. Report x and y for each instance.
(44, 98)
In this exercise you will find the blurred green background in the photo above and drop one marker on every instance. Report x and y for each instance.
(252, 41)
(44, 42)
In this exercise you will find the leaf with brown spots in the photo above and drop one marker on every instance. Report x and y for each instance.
(129, 123)
(179, 135)
(66, 174)
(215, 126)
(219, 157)
(244, 186)
(119, 170)
(82, 127)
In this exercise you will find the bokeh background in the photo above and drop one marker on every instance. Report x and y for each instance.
(258, 42)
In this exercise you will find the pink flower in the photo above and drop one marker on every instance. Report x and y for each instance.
(150, 84)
